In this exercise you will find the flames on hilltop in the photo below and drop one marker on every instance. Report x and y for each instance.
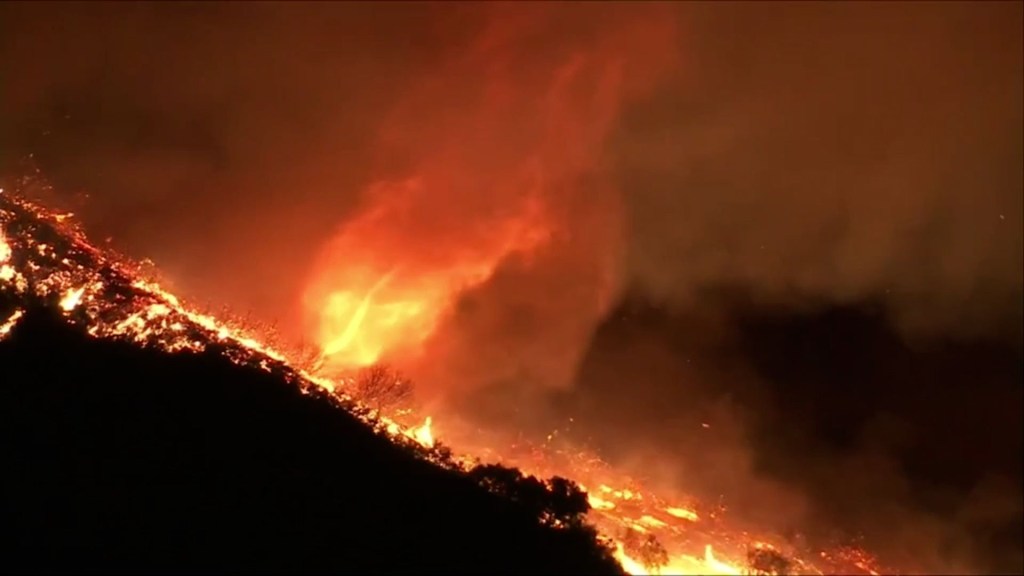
(46, 259)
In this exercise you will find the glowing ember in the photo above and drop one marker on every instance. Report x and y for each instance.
(683, 513)
(9, 323)
(72, 298)
(5, 249)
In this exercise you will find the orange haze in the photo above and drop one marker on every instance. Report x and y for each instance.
(501, 211)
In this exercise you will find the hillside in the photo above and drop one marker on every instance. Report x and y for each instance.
(126, 454)
(120, 458)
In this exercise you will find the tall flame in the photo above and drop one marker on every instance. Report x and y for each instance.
(369, 305)
(507, 177)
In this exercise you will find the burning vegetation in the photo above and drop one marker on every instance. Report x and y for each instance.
(182, 445)
(47, 263)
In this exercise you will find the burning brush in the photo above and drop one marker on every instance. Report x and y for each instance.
(46, 261)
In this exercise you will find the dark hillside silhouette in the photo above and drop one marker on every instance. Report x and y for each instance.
(121, 459)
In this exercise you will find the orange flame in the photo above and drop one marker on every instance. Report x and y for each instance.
(71, 298)
(504, 144)
(5, 249)
(423, 435)
(368, 306)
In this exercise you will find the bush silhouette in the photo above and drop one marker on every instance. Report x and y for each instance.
(763, 561)
(382, 387)
(557, 502)
(645, 549)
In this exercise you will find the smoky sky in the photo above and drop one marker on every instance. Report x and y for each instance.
(811, 152)
(833, 152)
(795, 157)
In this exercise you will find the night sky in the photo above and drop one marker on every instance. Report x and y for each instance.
(799, 224)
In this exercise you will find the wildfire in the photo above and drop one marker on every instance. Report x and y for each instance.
(501, 151)
(366, 306)
(45, 259)
(423, 435)
(697, 539)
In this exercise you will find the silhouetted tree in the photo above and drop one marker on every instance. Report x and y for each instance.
(557, 502)
(645, 549)
(764, 561)
(568, 502)
(443, 455)
(382, 387)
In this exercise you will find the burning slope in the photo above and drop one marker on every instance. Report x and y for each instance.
(218, 456)
(698, 537)
(45, 259)
(120, 458)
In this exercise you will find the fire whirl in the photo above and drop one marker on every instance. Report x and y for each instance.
(45, 259)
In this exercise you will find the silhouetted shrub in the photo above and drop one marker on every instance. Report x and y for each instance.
(645, 549)
(557, 502)
(568, 502)
(382, 387)
(764, 561)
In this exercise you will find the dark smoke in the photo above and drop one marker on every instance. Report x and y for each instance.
(812, 153)
(836, 153)
(856, 172)
(824, 423)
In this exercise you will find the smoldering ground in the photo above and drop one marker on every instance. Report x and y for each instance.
(806, 156)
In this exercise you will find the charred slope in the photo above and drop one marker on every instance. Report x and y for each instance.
(119, 458)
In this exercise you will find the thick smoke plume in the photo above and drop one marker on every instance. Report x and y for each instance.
(497, 220)
(811, 153)
(828, 154)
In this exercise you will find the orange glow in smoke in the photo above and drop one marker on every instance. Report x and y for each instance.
(506, 150)
(388, 291)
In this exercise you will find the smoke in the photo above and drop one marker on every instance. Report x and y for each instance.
(562, 96)
(827, 154)
(225, 143)
(708, 158)
(506, 227)
(818, 157)
(834, 153)
(823, 425)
